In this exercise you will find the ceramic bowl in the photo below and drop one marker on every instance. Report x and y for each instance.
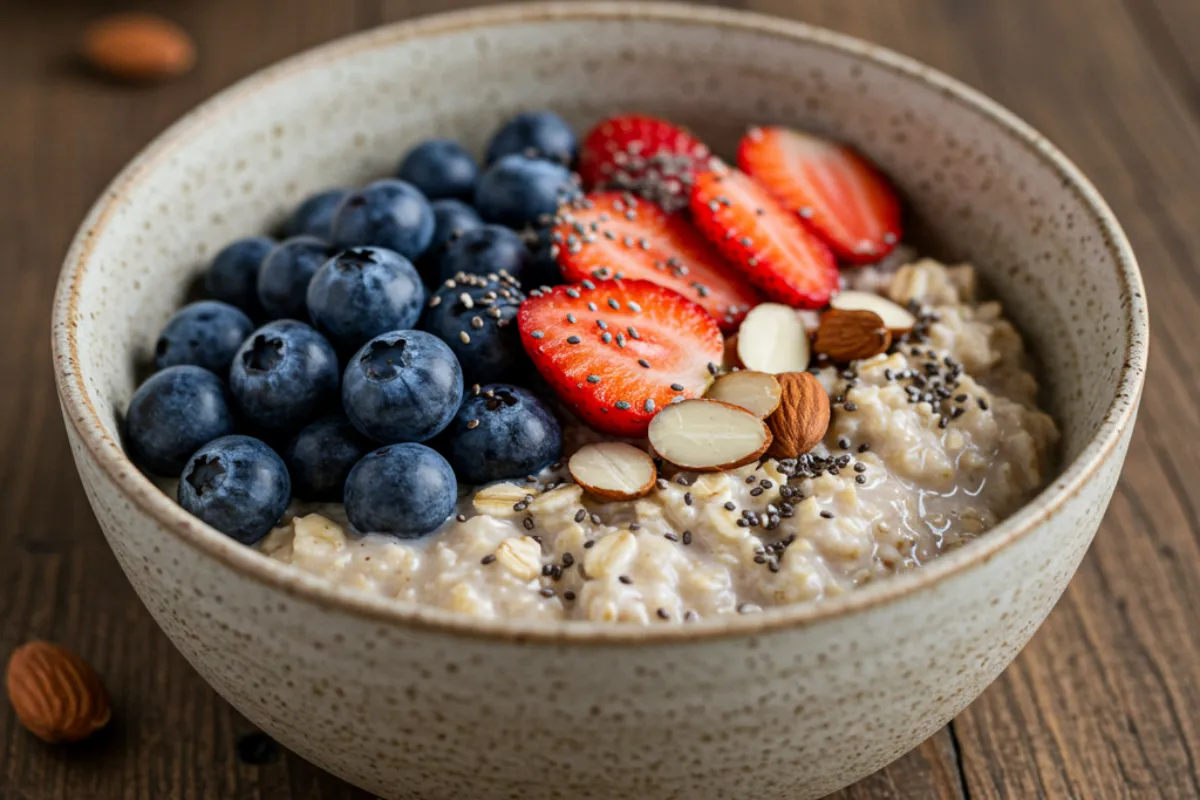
(414, 702)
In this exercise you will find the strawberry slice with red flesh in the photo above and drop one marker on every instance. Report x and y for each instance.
(616, 352)
(836, 191)
(774, 250)
(609, 235)
(645, 155)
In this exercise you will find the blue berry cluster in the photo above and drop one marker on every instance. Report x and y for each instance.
(334, 364)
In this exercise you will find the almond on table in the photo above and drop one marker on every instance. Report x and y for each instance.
(138, 47)
(55, 693)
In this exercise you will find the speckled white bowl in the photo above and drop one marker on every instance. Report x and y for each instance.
(415, 702)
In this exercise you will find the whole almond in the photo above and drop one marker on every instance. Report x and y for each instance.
(845, 335)
(800, 422)
(56, 695)
(138, 47)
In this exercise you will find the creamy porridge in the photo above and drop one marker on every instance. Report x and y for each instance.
(734, 387)
(929, 445)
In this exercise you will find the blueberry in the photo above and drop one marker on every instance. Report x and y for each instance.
(283, 376)
(237, 485)
(406, 490)
(285, 273)
(492, 349)
(362, 293)
(537, 134)
(232, 277)
(452, 218)
(440, 168)
(403, 386)
(205, 334)
(484, 250)
(543, 265)
(320, 457)
(388, 213)
(502, 432)
(172, 414)
(517, 191)
(314, 216)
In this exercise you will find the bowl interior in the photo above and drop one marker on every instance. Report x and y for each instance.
(977, 189)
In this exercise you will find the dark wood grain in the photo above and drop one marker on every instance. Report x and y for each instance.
(1102, 703)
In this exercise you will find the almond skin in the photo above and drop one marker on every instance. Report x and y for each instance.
(800, 422)
(848, 335)
(138, 47)
(56, 695)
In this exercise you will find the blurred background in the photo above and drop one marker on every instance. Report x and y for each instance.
(1101, 704)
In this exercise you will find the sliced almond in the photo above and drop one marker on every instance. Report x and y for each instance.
(800, 422)
(757, 392)
(708, 435)
(848, 335)
(613, 470)
(897, 318)
(772, 339)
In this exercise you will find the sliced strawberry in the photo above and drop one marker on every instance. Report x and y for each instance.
(617, 351)
(614, 235)
(645, 155)
(835, 190)
(763, 239)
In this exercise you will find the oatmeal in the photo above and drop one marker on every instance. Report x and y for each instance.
(742, 390)
(929, 445)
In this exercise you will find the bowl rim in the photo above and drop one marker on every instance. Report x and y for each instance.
(81, 416)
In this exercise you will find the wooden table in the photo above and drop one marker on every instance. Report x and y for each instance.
(1102, 703)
